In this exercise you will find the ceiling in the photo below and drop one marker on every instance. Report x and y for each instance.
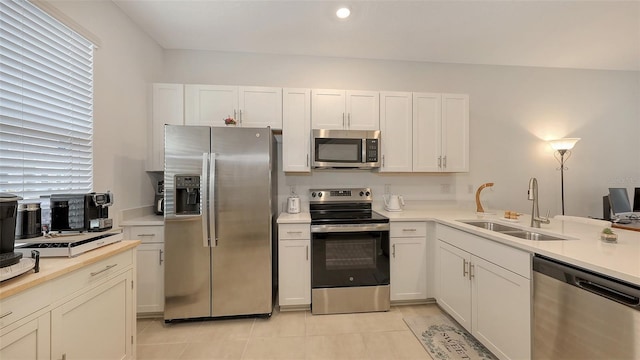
(565, 34)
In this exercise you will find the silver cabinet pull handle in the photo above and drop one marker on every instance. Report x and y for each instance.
(240, 116)
(410, 230)
(294, 232)
(160, 256)
(440, 161)
(394, 250)
(382, 160)
(464, 268)
(348, 120)
(6, 314)
(343, 123)
(307, 252)
(444, 162)
(146, 235)
(471, 272)
(103, 270)
(307, 159)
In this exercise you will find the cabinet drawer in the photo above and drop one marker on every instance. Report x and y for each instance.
(24, 303)
(146, 234)
(408, 229)
(294, 231)
(90, 275)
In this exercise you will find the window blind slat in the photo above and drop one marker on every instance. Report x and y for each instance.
(46, 112)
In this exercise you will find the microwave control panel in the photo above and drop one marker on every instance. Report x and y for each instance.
(372, 150)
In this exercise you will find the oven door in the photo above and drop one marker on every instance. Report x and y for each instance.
(349, 255)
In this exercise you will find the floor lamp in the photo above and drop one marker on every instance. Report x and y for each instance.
(563, 147)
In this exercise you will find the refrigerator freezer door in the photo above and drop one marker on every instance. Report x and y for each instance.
(187, 260)
(242, 260)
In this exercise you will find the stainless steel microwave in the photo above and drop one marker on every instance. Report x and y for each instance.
(352, 149)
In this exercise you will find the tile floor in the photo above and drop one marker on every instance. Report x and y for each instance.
(287, 335)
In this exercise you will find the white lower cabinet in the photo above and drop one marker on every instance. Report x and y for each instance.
(87, 313)
(294, 265)
(408, 261)
(485, 286)
(107, 309)
(150, 276)
(30, 340)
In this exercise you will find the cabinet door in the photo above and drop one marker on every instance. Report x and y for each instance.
(260, 107)
(455, 132)
(96, 324)
(408, 268)
(167, 108)
(209, 105)
(31, 340)
(501, 310)
(294, 269)
(396, 128)
(328, 109)
(426, 132)
(454, 287)
(150, 278)
(363, 110)
(296, 133)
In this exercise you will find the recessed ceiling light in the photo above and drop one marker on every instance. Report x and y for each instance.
(343, 13)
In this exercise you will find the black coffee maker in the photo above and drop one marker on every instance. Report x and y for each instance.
(8, 215)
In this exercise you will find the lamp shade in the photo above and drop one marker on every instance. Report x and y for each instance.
(563, 144)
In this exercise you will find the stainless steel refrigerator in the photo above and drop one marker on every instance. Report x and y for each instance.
(220, 206)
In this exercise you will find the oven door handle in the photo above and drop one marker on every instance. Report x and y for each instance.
(349, 228)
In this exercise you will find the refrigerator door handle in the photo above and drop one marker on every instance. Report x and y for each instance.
(204, 202)
(211, 200)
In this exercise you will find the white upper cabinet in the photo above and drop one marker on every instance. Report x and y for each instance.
(345, 109)
(296, 133)
(426, 132)
(253, 106)
(260, 107)
(455, 132)
(396, 130)
(167, 108)
(440, 132)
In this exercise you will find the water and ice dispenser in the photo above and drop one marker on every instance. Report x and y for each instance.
(187, 194)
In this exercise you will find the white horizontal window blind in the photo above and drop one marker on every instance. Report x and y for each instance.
(46, 104)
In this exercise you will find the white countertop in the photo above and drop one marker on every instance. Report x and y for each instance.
(141, 216)
(584, 247)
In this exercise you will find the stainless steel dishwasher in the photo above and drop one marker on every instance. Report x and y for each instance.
(580, 314)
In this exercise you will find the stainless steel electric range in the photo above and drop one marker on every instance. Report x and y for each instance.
(349, 252)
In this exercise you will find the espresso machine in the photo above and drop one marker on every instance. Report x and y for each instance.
(81, 212)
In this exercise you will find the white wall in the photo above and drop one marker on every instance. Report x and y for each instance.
(124, 66)
(513, 110)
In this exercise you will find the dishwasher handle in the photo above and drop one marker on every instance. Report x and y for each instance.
(616, 290)
(609, 293)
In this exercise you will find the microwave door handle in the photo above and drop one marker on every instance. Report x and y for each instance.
(213, 228)
(364, 151)
(204, 200)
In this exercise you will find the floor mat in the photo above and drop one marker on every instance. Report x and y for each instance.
(444, 339)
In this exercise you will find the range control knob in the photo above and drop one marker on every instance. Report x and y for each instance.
(313, 194)
(320, 194)
(368, 193)
(361, 193)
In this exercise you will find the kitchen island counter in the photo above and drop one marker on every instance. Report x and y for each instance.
(52, 268)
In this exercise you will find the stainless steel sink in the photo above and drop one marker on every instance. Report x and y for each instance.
(530, 235)
(511, 231)
(490, 225)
